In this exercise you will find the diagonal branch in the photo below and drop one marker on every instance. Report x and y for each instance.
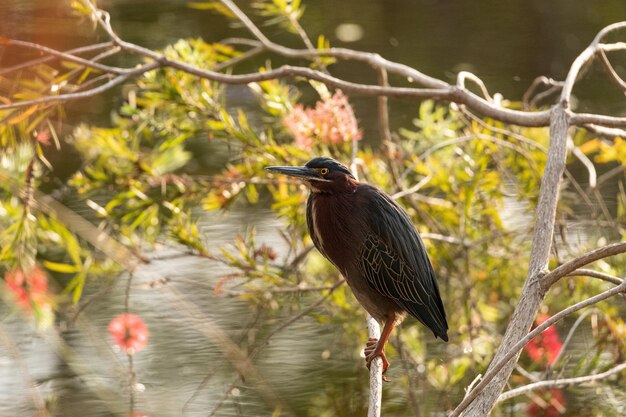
(84, 94)
(64, 55)
(558, 383)
(589, 257)
(48, 58)
(610, 70)
(594, 274)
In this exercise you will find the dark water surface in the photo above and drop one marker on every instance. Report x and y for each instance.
(506, 43)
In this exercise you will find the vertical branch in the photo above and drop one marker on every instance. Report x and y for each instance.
(376, 373)
(534, 289)
(389, 147)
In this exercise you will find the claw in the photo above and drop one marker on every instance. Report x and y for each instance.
(374, 349)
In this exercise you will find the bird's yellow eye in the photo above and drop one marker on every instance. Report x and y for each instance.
(324, 171)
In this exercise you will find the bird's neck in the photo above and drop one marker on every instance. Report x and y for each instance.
(345, 186)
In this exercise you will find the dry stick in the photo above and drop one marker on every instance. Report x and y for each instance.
(465, 75)
(65, 56)
(376, 373)
(389, 147)
(87, 93)
(591, 169)
(568, 338)
(497, 367)
(561, 382)
(610, 70)
(594, 274)
(587, 258)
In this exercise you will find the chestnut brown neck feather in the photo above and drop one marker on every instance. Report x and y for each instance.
(340, 183)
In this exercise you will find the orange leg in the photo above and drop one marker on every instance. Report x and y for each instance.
(375, 347)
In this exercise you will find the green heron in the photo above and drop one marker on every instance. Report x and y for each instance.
(371, 240)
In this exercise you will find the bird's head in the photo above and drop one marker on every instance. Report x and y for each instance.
(321, 174)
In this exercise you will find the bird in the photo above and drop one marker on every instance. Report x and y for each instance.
(372, 241)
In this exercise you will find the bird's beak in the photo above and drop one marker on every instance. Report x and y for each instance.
(299, 172)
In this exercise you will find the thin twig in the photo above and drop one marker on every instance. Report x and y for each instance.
(66, 56)
(569, 336)
(48, 58)
(591, 169)
(587, 258)
(557, 383)
(466, 75)
(87, 93)
(376, 373)
(610, 70)
(581, 272)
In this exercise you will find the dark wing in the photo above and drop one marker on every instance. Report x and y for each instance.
(395, 263)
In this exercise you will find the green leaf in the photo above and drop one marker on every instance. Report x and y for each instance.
(63, 268)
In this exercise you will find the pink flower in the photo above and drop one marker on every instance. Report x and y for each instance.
(129, 332)
(29, 288)
(332, 121)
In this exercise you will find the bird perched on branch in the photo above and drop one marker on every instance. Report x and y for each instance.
(373, 243)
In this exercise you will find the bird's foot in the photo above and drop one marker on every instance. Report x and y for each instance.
(372, 350)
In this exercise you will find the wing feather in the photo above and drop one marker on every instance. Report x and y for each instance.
(394, 262)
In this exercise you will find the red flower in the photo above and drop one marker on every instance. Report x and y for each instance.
(129, 332)
(28, 288)
(545, 347)
(331, 121)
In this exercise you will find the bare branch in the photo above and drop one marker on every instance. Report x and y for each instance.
(240, 58)
(48, 58)
(606, 131)
(604, 252)
(585, 57)
(372, 59)
(610, 70)
(583, 119)
(438, 89)
(556, 383)
(529, 98)
(83, 94)
(569, 336)
(376, 373)
(595, 274)
(591, 169)
(466, 75)
(66, 56)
